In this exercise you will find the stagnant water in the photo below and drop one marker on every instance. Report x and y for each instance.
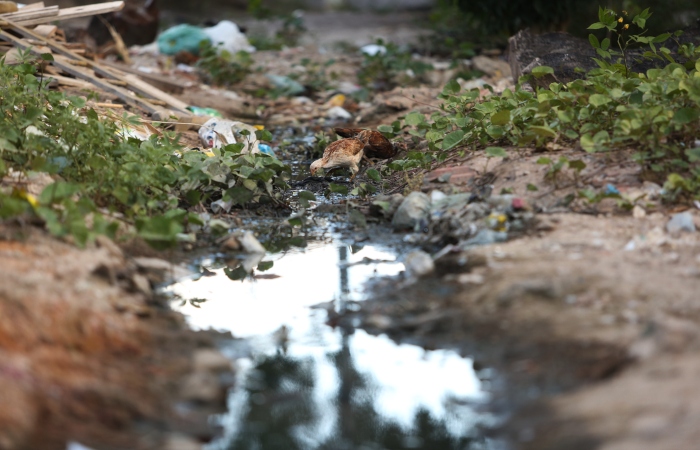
(303, 384)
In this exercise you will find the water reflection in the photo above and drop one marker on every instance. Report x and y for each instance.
(305, 385)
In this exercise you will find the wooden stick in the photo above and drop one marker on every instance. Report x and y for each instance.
(32, 6)
(76, 12)
(160, 81)
(61, 62)
(21, 16)
(135, 84)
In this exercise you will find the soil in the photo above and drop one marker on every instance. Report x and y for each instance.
(590, 320)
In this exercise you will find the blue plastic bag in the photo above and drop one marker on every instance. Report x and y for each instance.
(181, 37)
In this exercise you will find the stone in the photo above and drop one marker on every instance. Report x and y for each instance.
(493, 67)
(386, 205)
(638, 212)
(202, 387)
(681, 222)
(211, 360)
(419, 264)
(412, 213)
(181, 442)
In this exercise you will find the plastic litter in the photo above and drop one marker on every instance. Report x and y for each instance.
(338, 112)
(181, 38)
(203, 112)
(681, 222)
(220, 132)
(285, 85)
(264, 148)
(373, 49)
(227, 36)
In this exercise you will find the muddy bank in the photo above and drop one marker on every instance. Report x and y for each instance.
(595, 344)
(89, 355)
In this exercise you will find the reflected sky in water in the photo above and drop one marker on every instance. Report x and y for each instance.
(305, 385)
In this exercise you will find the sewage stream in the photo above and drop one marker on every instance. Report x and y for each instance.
(303, 384)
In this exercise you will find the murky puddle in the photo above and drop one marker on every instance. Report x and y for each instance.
(303, 384)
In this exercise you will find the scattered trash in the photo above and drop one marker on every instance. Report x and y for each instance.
(336, 100)
(245, 241)
(285, 85)
(485, 237)
(373, 50)
(681, 222)
(337, 112)
(264, 148)
(227, 36)
(72, 445)
(216, 133)
(418, 264)
(413, 212)
(180, 38)
(610, 189)
(204, 112)
(638, 212)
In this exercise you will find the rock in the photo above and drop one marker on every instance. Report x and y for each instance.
(231, 243)
(202, 387)
(181, 442)
(681, 222)
(418, 264)
(109, 245)
(141, 284)
(459, 262)
(386, 205)
(485, 237)
(414, 211)
(159, 270)
(211, 360)
(565, 53)
(379, 321)
(638, 212)
(493, 67)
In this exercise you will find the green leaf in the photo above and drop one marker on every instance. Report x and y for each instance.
(543, 160)
(501, 118)
(58, 191)
(263, 135)
(47, 57)
(541, 71)
(605, 44)
(686, 115)
(693, 154)
(596, 26)
(598, 99)
(265, 265)
(594, 41)
(496, 152)
(532, 187)
(577, 165)
(385, 129)
(373, 174)
(452, 139)
(452, 87)
(543, 131)
(338, 189)
(240, 195)
(414, 118)
(159, 231)
(307, 195)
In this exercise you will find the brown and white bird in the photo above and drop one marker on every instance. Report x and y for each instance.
(377, 146)
(343, 153)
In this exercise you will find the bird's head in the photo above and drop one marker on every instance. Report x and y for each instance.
(364, 136)
(315, 166)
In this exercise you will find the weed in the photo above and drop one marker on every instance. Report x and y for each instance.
(104, 180)
(221, 68)
(656, 112)
(389, 68)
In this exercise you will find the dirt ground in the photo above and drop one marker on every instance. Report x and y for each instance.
(590, 320)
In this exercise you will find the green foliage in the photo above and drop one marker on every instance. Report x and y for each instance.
(103, 177)
(291, 28)
(220, 67)
(656, 112)
(386, 70)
